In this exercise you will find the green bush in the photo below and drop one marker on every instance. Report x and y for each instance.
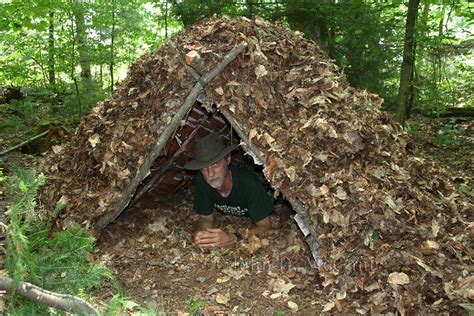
(56, 261)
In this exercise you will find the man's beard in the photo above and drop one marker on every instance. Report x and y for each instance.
(216, 182)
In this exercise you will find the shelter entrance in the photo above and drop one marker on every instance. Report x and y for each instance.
(168, 181)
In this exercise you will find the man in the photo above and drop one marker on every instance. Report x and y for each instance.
(228, 189)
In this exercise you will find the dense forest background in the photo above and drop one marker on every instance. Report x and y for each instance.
(58, 59)
(64, 57)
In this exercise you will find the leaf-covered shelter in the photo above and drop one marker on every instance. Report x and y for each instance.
(385, 226)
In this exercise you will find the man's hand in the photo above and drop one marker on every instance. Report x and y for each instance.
(214, 238)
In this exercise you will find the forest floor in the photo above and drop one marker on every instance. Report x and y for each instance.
(149, 248)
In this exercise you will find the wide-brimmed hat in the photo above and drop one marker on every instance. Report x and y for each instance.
(208, 150)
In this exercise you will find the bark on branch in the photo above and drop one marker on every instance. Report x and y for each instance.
(24, 143)
(168, 164)
(63, 302)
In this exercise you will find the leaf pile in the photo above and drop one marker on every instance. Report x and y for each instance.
(394, 234)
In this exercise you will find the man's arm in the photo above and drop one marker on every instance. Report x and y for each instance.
(261, 228)
(204, 222)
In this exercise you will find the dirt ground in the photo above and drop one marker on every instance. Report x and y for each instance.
(450, 142)
(149, 248)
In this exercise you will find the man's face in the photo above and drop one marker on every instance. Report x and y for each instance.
(216, 173)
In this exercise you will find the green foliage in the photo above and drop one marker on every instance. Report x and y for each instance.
(59, 261)
(466, 189)
(469, 307)
(279, 312)
(375, 238)
(118, 304)
(364, 38)
(448, 136)
(412, 128)
(194, 305)
(122, 305)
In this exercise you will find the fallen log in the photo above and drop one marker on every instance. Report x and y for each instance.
(63, 302)
(6, 151)
(448, 112)
(468, 112)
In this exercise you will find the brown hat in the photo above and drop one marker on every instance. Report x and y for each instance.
(207, 151)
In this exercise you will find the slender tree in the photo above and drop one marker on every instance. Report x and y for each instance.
(73, 63)
(81, 38)
(112, 39)
(51, 70)
(166, 18)
(406, 72)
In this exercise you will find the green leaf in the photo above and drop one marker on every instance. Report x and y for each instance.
(469, 307)
(375, 236)
(128, 304)
(22, 186)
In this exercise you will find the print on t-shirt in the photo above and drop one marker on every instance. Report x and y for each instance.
(231, 210)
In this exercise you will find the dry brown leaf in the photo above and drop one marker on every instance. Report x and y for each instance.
(222, 299)
(94, 140)
(434, 227)
(398, 278)
(219, 91)
(56, 149)
(293, 306)
(253, 133)
(291, 173)
(280, 287)
(341, 194)
(260, 71)
(328, 306)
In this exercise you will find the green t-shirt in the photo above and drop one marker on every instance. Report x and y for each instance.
(247, 198)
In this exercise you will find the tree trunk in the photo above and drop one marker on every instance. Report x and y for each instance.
(101, 75)
(166, 18)
(51, 71)
(407, 63)
(112, 37)
(249, 4)
(421, 54)
(73, 65)
(437, 51)
(412, 94)
(82, 48)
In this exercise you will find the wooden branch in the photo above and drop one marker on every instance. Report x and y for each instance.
(162, 140)
(182, 61)
(168, 164)
(249, 148)
(24, 143)
(63, 302)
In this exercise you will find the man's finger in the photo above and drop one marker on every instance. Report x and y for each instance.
(207, 243)
(210, 235)
(206, 246)
(214, 230)
(207, 239)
